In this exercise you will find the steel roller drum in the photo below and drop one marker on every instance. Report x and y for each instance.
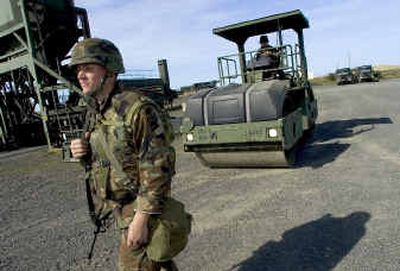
(248, 159)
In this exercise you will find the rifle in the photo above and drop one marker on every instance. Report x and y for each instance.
(101, 221)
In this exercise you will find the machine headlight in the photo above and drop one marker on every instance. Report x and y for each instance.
(189, 137)
(272, 132)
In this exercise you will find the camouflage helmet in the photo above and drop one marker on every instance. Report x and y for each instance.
(264, 39)
(97, 51)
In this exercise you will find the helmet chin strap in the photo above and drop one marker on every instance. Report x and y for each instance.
(98, 89)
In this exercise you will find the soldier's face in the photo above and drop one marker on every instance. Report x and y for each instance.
(90, 76)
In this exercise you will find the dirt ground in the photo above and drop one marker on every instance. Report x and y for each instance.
(337, 209)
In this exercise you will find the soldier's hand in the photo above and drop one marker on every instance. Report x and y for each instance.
(138, 231)
(80, 146)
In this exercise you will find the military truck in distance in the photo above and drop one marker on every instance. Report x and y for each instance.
(261, 112)
(366, 73)
(345, 76)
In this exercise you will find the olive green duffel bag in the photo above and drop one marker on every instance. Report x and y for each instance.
(169, 231)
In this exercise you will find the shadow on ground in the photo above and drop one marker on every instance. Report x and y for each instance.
(316, 246)
(315, 154)
(336, 129)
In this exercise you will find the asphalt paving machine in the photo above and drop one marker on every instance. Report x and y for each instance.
(261, 112)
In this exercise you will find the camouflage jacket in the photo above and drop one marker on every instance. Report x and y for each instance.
(131, 155)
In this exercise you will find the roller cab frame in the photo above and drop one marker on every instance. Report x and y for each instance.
(260, 113)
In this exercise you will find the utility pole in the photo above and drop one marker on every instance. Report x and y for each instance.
(348, 59)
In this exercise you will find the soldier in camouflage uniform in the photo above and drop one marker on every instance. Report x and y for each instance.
(126, 150)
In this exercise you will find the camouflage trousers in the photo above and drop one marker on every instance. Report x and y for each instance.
(136, 260)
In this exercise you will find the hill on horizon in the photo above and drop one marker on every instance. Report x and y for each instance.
(384, 67)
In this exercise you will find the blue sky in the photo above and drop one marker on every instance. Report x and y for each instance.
(355, 31)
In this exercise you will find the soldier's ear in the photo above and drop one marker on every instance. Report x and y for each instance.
(111, 75)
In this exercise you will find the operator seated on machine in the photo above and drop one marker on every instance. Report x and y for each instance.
(267, 58)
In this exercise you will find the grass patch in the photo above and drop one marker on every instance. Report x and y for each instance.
(323, 80)
(390, 74)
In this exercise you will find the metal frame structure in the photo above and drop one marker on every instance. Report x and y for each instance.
(240, 32)
(35, 37)
(289, 64)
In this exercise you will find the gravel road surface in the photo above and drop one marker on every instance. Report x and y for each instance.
(337, 209)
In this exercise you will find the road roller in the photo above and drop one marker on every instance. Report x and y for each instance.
(263, 106)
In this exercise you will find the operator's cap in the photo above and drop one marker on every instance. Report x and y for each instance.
(264, 39)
